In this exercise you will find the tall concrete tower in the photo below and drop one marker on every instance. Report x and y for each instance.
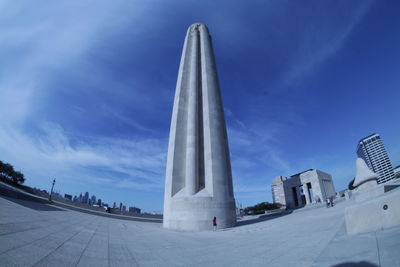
(198, 183)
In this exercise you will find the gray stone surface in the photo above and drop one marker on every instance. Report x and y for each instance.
(313, 236)
(364, 174)
(371, 215)
(366, 184)
(198, 183)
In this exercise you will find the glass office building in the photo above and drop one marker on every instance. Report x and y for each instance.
(372, 151)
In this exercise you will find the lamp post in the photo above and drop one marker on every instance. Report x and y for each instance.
(51, 192)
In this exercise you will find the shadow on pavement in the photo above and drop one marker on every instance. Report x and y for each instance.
(355, 264)
(33, 205)
(264, 218)
(26, 200)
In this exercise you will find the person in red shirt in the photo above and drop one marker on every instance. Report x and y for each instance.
(214, 221)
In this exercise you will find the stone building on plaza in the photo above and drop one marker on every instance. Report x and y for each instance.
(304, 188)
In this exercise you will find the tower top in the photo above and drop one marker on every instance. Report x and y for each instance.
(198, 26)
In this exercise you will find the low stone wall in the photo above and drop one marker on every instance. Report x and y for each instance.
(68, 202)
(379, 213)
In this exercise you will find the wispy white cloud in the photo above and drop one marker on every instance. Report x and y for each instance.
(120, 161)
(256, 155)
(126, 183)
(114, 114)
(321, 39)
(51, 38)
(37, 45)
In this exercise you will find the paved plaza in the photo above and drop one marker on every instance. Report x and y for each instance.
(37, 234)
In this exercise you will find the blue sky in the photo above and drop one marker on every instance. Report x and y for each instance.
(87, 90)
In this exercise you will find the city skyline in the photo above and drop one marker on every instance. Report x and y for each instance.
(87, 93)
(91, 200)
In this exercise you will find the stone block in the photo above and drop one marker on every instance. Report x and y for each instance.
(379, 213)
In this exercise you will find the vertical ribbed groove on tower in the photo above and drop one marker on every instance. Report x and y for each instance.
(179, 166)
(190, 173)
(201, 178)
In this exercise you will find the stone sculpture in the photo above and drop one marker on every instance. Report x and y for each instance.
(365, 178)
(198, 183)
(374, 208)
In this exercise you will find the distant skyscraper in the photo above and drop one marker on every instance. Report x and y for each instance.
(372, 151)
(134, 210)
(99, 202)
(86, 198)
(93, 199)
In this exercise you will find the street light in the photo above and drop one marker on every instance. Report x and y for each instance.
(51, 192)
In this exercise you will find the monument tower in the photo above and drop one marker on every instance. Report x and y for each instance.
(198, 183)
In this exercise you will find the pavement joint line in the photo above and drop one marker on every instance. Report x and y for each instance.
(88, 243)
(20, 231)
(127, 247)
(108, 243)
(33, 228)
(28, 243)
(377, 247)
(77, 232)
(331, 239)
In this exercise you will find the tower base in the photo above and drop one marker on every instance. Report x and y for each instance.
(195, 213)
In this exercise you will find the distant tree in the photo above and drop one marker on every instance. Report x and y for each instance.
(18, 178)
(261, 208)
(8, 172)
(2, 170)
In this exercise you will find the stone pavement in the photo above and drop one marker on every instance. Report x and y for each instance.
(35, 234)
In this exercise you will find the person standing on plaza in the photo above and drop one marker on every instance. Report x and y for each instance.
(214, 222)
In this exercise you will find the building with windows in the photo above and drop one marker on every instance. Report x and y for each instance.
(310, 186)
(396, 171)
(372, 151)
(93, 200)
(86, 198)
(278, 192)
(134, 210)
